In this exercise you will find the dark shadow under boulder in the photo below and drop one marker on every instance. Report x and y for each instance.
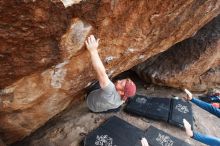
(193, 63)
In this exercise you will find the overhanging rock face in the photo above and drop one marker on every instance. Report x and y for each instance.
(44, 64)
(193, 63)
(29, 35)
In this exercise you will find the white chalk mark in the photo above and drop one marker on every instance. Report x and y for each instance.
(182, 109)
(164, 140)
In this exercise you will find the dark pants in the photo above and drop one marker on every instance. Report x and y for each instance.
(92, 87)
(96, 86)
(209, 140)
(208, 107)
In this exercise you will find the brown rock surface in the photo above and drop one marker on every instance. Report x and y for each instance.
(35, 35)
(29, 36)
(2, 143)
(193, 63)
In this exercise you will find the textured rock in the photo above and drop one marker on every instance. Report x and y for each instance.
(73, 40)
(193, 63)
(29, 37)
(2, 143)
(130, 32)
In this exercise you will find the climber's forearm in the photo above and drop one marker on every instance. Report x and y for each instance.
(99, 68)
(92, 46)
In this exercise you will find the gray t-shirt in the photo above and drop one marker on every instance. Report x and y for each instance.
(104, 99)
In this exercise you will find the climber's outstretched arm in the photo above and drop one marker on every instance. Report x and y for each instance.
(92, 46)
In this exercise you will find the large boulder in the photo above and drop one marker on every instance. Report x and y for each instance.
(45, 66)
(193, 63)
(2, 143)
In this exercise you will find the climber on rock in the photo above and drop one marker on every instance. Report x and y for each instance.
(106, 96)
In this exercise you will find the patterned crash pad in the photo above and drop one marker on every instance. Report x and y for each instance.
(117, 132)
(172, 111)
(150, 107)
(114, 132)
(180, 110)
(157, 137)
